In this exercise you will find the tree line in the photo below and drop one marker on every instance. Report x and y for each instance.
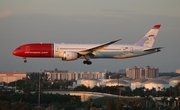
(13, 100)
(10, 100)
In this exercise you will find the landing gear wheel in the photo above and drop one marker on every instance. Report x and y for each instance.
(25, 61)
(87, 62)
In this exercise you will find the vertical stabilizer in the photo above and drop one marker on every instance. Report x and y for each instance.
(149, 38)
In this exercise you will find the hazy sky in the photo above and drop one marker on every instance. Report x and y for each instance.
(89, 21)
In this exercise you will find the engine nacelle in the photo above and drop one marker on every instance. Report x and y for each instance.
(69, 55)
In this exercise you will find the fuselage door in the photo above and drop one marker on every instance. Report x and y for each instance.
(27, 49)
(56, 48)
(131, 49)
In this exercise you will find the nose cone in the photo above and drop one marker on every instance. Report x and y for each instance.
(14, 53)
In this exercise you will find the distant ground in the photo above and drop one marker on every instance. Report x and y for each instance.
(104, 100)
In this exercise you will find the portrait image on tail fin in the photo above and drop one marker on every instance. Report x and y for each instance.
(149, 38)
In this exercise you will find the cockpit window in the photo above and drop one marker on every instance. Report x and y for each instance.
(18, 48)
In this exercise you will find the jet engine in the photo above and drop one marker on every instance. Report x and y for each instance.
(69, 55)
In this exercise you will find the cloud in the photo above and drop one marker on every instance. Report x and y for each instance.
(6, 13)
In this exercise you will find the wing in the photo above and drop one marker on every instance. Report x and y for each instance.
(154, 49)
(99, 48)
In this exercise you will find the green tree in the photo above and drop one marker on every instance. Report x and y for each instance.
(111, 105)
(164, 101)
(5, 105)
(138, 91)
(148, 101)
(96, 89)
(81, 88)
(90, 103)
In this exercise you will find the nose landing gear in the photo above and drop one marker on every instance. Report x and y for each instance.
(24, 59)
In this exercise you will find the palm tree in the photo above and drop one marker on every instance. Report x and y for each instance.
(110, 105)
(172, 102)
(124, 101)
(170, 91)
(164, 100)
(147, 100)
(177, 88)
(178, 102)
(90, 103)
(138, 104)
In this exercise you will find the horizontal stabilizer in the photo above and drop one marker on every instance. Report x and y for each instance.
(154, 49)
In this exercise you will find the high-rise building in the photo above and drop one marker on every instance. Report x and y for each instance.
(140, 73)
(56, 74)
(151, 72)
(135, 72)
(66, 75)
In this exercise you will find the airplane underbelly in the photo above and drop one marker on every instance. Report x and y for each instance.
(107, 54)
(116, 55)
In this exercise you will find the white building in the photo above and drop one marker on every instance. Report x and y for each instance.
(166, 78)
(87, 82)
(115, 82)
(103, 82)
(174, 81)
(158, 84)
(138, 83)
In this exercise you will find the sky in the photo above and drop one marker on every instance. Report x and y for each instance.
(88, 21)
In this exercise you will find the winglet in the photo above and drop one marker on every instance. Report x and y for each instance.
(114, 41)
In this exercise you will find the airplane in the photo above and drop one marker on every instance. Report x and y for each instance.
(69, 52)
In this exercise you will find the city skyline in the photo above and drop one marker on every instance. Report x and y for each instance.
(88, 22)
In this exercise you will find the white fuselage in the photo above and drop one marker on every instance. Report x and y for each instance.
(112, 51)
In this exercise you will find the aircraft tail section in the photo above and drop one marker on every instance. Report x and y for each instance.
(149, 38)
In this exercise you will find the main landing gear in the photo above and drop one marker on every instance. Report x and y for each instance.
(87, 62)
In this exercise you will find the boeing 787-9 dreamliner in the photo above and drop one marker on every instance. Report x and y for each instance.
(69, 52)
